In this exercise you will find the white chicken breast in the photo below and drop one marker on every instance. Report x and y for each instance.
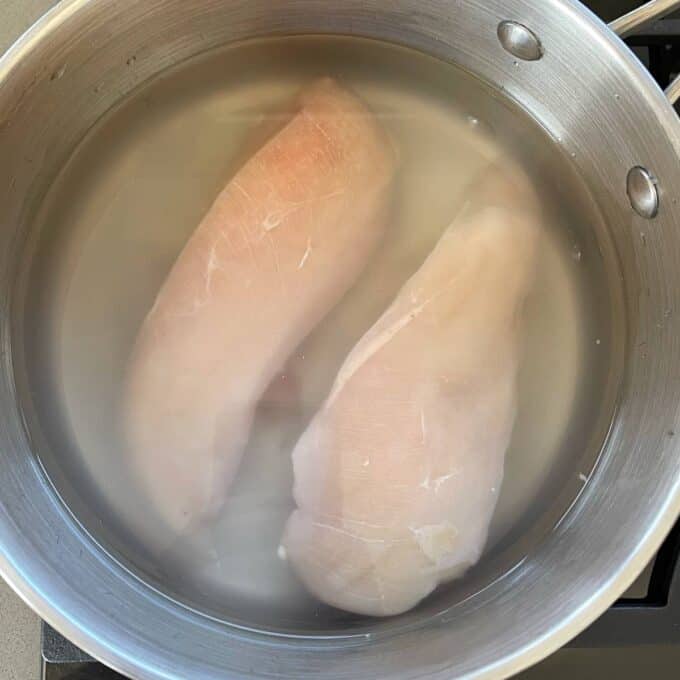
(281, 244)
(398, 474)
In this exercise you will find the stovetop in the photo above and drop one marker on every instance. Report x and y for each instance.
(639, 634)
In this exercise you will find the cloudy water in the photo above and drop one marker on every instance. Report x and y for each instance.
(123, 208)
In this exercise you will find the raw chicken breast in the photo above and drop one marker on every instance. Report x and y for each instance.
(397, 476)
(281, 244)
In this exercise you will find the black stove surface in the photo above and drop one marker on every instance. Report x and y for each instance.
(640, 634)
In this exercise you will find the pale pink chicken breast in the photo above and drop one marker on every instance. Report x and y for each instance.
(281, 244)
(397, 476)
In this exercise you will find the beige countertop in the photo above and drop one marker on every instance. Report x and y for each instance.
(19, 638)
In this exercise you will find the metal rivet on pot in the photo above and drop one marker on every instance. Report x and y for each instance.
(520, 41)
(643, 192)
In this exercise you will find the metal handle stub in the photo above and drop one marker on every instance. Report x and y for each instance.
(642, 16)
(643, 192)
(673, 91)
(520, 41)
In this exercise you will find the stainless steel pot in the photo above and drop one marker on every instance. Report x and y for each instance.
(567, 70)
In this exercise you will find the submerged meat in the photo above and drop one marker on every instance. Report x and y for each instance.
(397, 476)
(281, 244)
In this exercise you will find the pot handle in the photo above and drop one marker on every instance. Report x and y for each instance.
(673, 91)
(642, 16)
